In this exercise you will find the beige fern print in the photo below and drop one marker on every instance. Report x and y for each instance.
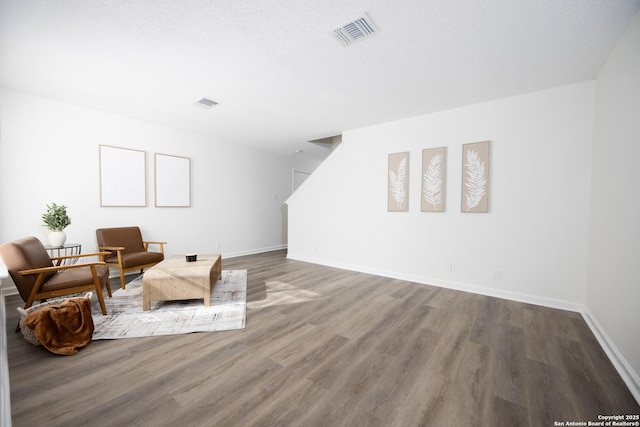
(475, 177)
(398, 181)
(432, 180)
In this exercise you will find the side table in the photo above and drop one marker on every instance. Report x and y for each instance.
(65, 250)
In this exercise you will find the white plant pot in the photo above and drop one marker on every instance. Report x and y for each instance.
(57, 238)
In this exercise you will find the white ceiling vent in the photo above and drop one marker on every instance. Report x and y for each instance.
(207, 103)
(356, 30)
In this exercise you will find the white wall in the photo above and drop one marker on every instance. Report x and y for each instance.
(49, 153)
(535, 234)
(613, 286)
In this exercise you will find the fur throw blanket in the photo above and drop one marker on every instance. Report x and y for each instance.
(62, 328)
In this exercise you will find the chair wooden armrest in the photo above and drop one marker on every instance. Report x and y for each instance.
(146, 245)
(63, 257)
(57, 268)
(111, 248)
(57, 260)
(108, 250)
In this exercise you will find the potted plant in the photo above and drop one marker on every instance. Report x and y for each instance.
(56, 220)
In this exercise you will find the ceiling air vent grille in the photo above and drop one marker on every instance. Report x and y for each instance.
(356, 30)
(207, 103)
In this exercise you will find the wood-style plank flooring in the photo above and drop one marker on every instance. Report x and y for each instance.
(329, 347)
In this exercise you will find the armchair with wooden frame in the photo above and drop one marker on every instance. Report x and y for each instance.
(39, 276)
(127, 250)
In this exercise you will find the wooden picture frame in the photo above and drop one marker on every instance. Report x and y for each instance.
(398, 182)
(123, 177)
(172, 181)
(434, 177)
(475, 177)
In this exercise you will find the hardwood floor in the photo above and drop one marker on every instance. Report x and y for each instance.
(329, 347)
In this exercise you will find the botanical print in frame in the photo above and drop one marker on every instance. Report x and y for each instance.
(398, 179)
(434, 162)
(123, 177)
(475, 177)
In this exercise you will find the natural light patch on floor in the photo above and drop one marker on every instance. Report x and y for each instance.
(280, 293)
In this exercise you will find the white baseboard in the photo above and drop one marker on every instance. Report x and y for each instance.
(253, 251)
(629, 376)
(458, 286)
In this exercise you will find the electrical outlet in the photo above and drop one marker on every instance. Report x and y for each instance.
(218, 245)
(452, 267)
(496, 275)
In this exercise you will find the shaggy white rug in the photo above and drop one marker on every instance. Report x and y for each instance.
(126, 319)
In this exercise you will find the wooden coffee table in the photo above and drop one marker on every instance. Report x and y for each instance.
(176, 279)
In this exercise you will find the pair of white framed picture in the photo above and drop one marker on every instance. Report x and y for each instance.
(123, 178)
(475, 179)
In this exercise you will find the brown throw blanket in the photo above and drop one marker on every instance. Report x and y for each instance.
(63, 328)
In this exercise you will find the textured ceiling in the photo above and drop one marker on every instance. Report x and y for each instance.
(279, 75)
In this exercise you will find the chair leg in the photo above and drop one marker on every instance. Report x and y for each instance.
(109, 287)
(103, 307)
(97, 284)
(122, 281)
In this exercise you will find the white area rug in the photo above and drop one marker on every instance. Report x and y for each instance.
(126, 319)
